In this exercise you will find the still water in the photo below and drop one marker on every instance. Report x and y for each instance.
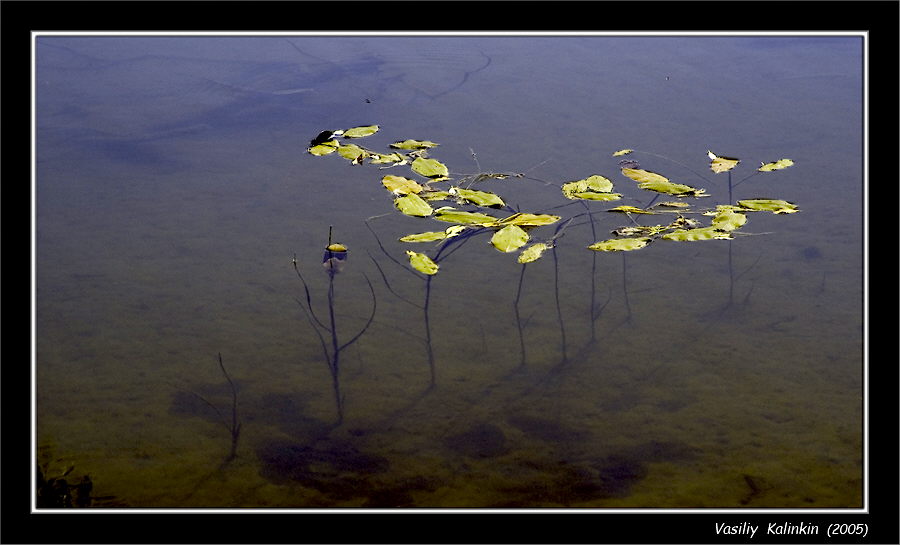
(173, 190)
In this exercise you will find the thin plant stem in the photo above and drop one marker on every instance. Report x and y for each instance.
(559, 316)
(593, 275)
(625, 284)
(235, 427)
(429, 350)
(518, 316)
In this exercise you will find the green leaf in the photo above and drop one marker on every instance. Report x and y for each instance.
(701, 233)
(430, 168)
(528, 220)
(359, 132)
(777, 165)
(590, 196)
(728, 220)
(533, 252)
(775, 206)
(721, 164)
(620, 244)
(591, 184)
(481, 198)
(436, 195)
(413, 205)
(432, 236)
(353, 153)
(422, 263)
(413, 144)
(630, 210)
(324, 148)
(510, 238)
(659, 183)
(453, 215)
(384, 158)
(429, 236)
(399, 185)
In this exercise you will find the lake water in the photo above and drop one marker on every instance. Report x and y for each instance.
(173, 189)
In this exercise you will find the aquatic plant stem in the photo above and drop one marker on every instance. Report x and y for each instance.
(625, 285)
(559, 316)
(593, 304)
(518, 317)
(429, 350)
(334, 364)
(235, 427)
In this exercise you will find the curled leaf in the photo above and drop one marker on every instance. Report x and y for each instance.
(659, 183)
(533, 252)
(620, 244)
(630, 210)
(591, 184)
(776, 206)
(777, 165)
(510, 238)
(622, 152)
(422, 263)
(721, 164)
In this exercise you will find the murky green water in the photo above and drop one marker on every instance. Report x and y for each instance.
(173, 190)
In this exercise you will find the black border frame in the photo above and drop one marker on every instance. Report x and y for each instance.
(19, 18)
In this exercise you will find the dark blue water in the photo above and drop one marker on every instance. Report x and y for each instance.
(173, 190)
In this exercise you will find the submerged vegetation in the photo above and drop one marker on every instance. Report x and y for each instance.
(431, 193)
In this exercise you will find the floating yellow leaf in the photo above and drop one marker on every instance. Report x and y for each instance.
(400, 185)
(777, 165)
(429, 236)
(384, 158)
(620, 244)
(591, 184)
(533, 252)
(659, 183)
(413, 144)
(673, 204)
(435, 195)
(453, 215)
(701, 233)
(353, 153)
(413, 205)
(432, 236)
(430, 168)
(359, 132)
(590, 196)
(630, 210)
(775, 206)
(728, 220)
(422, 263)
(324, 148)
(528, 220)
(481, 198)
(510, 238)
(721, 164)
(622, 152)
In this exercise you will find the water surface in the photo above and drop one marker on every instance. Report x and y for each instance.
(173, 190)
